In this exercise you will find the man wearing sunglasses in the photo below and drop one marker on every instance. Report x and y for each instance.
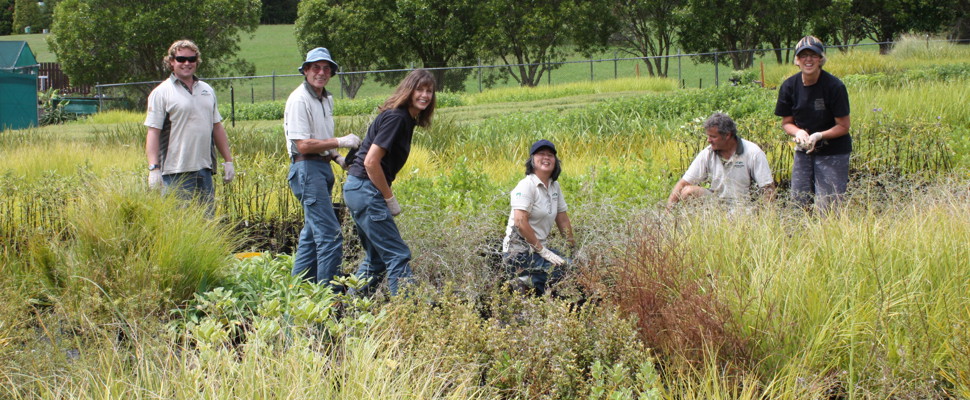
(309, 128)
(184, 131)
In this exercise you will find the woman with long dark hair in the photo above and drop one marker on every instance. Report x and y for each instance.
(367, 191)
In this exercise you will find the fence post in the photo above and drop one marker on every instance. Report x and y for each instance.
(548, 75)
(614, 65)
(252, 95)
(679, 70)
(97, 86)
(716, 78)
(591, 70)
(274, 87)
(479, 74)
(232, 101)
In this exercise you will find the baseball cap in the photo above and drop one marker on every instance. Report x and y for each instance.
(540, 144)
(319, 54)
(810, 43)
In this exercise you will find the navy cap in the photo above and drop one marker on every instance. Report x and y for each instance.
(810, 43)
(319, 54)
(540, 144)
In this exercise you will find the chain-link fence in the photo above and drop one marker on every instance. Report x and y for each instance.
(694, 70)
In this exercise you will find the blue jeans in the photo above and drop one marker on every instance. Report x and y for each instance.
(195, 185)
(530, 264)
(823, 177)
(320, 248)
(385, 252)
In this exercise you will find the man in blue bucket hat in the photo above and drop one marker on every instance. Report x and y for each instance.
(309, 129)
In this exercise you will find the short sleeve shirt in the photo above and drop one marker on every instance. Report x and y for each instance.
(307, 116)
(543, 203)
(186, 120)
(731, 179)
(815, 108)
(392, 131)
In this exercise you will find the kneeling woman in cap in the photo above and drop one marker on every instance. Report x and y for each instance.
(537, 203)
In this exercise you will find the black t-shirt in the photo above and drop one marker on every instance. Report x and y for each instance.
(815, 108)
(392, 131)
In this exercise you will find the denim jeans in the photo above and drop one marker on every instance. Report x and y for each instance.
(195, 185)
(320, 248)
(530, 264)
(385, 253)
(823, 177)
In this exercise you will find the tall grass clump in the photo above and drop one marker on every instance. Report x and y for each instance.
(519, 94)
(874, 295)
(130, 254)
(522, 347)
(113, 117)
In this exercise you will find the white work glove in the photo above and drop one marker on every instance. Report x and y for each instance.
(228, 172)
(341, 161)
(348, 141)
(813, 139)
(155, 179)
(801, 140)
(551, 257)
(393, 206)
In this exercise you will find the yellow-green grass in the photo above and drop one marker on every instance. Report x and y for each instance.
(874, 291)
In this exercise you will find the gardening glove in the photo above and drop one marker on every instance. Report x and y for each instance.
(350, 140)
(393, 206)
(801, 140)
(228, 172)
(155, 179)
(813, 140)
(341, 161)
(551, 257)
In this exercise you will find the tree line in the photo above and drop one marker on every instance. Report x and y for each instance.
(118, 40)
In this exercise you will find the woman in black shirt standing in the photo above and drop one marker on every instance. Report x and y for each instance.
(814, 109)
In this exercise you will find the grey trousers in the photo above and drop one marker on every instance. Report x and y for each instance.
(822, 178)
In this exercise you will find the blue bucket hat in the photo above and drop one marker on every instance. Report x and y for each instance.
(319, 54)
(540, 144)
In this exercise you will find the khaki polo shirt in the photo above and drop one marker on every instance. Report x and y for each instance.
(543, 205)
(731, 179)
(307, 116)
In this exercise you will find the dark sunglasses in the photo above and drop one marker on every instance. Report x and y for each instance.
(183, 59)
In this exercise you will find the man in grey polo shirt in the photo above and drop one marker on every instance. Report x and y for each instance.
(730, 164)
(308, 124)
(184, 130)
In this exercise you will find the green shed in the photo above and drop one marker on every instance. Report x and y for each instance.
(18, 85)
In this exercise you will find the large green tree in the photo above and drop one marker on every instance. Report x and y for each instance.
(436, 33)
(534, 35)
(646, 29)
(838, 24)
(340, 25)
(26, 13)
(6, 17)
(124, 41)
(885, 20)
(725, 26)
(279, 11)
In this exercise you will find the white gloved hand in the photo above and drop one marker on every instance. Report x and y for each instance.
(155, 179)
(341, 161)
(393, 206)
(348, 141)
(551, 257)
(228, 172)
(813, 140)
